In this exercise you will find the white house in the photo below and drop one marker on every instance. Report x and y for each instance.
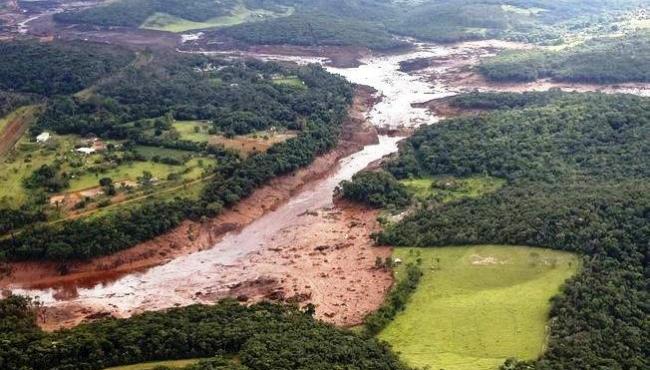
(43, 137)
(86, 150)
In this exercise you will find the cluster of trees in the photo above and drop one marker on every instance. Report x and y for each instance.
(605, 60)
(395, 302)
(48, 178)
(578, 181)
(57, 67)
(133, 13)
(126, 105)
(376, 188)
(9, 102)
(262, 336)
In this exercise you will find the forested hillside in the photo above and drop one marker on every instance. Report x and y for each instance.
(368, 23)
(167, 115)
(262, 336)
(602, 60)
(56, 68)
(577, 179)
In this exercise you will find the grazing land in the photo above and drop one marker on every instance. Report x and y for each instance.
(476, 306)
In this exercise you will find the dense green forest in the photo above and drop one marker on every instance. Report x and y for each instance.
(137, 105)
(56, 68)
(261, 336)
(601, 60)
(577, 179)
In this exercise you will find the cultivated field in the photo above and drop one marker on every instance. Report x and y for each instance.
(477, 306)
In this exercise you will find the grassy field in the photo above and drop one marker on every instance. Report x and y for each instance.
(129, 171)
(447, 189)
(19, 164)
(260, 141)
(241, 14)
(152, 365)
(478, 305)
(290, 81)
(193, 130)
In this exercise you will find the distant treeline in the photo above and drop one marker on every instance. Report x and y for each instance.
(260, 337)
(370, 23)
(605, 60)
(137, 104)
(578, 180)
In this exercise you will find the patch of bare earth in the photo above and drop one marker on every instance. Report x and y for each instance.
(326, 259)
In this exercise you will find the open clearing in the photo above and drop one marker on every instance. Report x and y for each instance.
(447, 188)
(241, 14)
(260, 141)
(476, 306)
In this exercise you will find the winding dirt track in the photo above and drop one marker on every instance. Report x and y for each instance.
(15, 129)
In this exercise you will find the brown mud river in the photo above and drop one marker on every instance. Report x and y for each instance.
(303, 249)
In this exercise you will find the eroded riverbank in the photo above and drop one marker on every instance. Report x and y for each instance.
(207, 261)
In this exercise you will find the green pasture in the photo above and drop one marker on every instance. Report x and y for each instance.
(478, 305)
(196, 131)
(191, 170)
